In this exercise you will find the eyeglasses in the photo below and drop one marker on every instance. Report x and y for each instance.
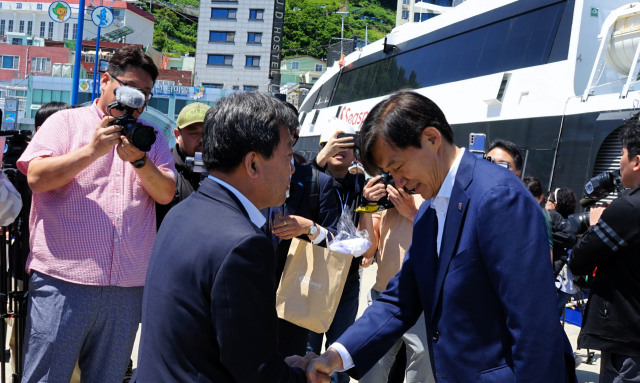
(147, 95)
(296, 137)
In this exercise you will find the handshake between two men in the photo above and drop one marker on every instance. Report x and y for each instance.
(318, 368)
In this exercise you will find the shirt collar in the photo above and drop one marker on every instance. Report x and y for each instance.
(450, 179)
(255, 215)
(95, 105)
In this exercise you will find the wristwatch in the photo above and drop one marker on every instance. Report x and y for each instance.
(313, 230)
(141, 162)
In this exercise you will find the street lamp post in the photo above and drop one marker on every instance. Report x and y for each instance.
(342, 30)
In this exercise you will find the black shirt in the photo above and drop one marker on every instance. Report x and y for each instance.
(613, 247)
(186, 183)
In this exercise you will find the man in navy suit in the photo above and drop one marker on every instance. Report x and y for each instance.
(209, 302)
(476, 267)
(311, 210)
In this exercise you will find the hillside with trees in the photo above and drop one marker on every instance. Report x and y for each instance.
(309, 25)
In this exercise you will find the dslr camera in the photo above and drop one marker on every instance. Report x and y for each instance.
(596, 189)
(383, 203)
(130, 99)
(386, 179)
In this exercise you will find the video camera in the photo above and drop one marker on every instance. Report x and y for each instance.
(16, 142)
(596, 189)
(195, 163)
(130, 99)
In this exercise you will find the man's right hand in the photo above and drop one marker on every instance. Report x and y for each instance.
(595, 213)
(374, 190)
(323, 366)
(105, 137)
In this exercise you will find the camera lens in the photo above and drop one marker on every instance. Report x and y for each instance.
(142, 137)
(579, 222)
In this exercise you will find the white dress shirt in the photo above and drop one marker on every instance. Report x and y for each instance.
(255, 215)
(440, 204)
(322, 234)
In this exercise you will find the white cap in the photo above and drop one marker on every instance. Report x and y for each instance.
(334, 125)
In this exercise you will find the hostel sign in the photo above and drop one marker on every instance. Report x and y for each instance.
(276, 42)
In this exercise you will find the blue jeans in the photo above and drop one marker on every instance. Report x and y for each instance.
(68, 322)
(344, 318)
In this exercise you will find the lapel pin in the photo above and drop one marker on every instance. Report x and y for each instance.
(459, 206)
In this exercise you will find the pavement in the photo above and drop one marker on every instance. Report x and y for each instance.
(587, 373)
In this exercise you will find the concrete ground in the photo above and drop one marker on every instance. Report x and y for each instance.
(587, 373)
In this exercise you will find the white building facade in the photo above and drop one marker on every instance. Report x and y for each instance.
(415, 11)
(233, 50)
(32, 18)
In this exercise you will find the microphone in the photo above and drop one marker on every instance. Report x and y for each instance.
(130, 97)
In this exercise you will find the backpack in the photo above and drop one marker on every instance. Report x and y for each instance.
(311, 179)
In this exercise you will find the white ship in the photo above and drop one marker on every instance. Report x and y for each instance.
(555, 77)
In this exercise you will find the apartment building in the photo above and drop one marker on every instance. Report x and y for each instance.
(235, 42)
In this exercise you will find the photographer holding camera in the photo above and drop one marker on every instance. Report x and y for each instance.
(92, 229)
(188, 141)
(334, 159)
(612, 244)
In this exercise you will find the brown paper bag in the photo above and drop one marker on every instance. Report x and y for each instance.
(311, 285)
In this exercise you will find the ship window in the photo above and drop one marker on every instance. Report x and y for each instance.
(516, 44)
(521, 41)
(433, 62)
(503, 86)
(472, 51)
(493, 48)
(392, 74)
(382, 78)
(452, 58)
(542, 36)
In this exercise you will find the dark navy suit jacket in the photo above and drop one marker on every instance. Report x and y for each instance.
(489, 299)
(209, 303)
(298, 204)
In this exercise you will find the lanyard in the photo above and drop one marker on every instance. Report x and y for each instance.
(344, 206)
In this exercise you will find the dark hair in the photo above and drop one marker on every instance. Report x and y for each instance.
(49, 109)
(300, 158)
(400, 121)
(565, 200)
(534, 185)
(509, 147)
(293, 108)
(242, 123)
(630, 137)
(131, 56)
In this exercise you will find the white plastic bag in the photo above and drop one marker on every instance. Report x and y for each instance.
(349, 239)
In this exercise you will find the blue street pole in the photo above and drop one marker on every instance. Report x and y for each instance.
(76, 65)
(94, 90)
